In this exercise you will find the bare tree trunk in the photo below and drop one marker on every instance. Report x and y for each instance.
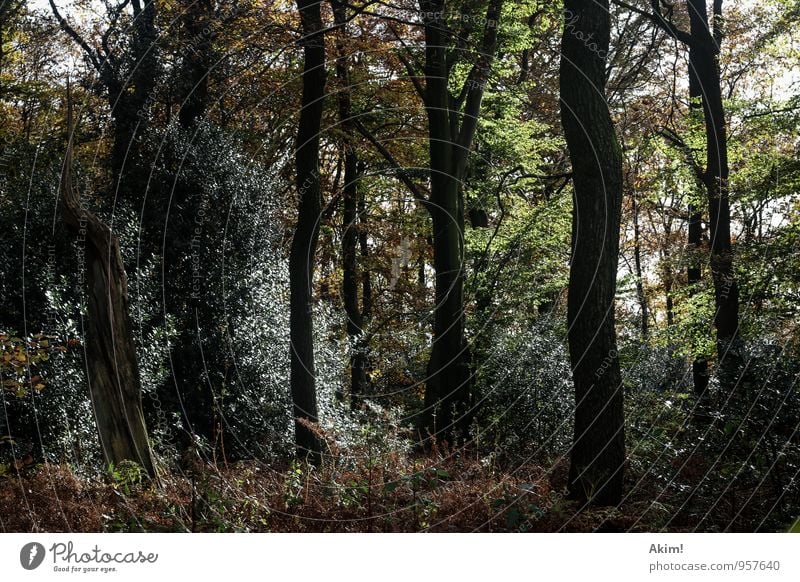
(114, 383)
(306, 234)
(598, 450)
(350, 226)
(447, 407)
(637, 263)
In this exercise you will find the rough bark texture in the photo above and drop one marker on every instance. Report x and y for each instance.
(598, 453)
(113, 372)
(306, 234)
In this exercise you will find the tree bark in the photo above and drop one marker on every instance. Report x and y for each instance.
(306, 234)
(447, 408)
(114, 383)
(193, 95)
(350, 226)
(637, 263)
(598, 451)
(704, 54)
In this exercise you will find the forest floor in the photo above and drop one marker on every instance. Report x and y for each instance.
(404, 494)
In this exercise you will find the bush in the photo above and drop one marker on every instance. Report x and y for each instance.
(524, 393)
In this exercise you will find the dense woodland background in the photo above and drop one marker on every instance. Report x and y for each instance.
(464, 265)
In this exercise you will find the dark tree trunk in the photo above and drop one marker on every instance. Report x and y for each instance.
(363, 244)
(446, 414)
(668, 277)
(704, 53)
(350, 227)
(598, 452)
(306, 234)
(130, 98)
(114, 383)
(198, 26)
(637, 263)
(694, 272)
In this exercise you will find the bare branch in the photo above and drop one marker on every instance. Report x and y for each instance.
(387, 155)
(65, 26)
(658, 19)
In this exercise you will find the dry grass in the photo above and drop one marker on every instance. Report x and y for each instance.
(401, 493)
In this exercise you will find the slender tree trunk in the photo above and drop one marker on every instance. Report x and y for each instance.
(198, 26)
(363, 245)
(598, 451)
(114, 383)
(694, 275)
(704, 56)
(350, 227)
(666, 256)
(694, 271)
(306, 234)
(637, 263)
(447, 407)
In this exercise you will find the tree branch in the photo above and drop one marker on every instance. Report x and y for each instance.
(65, 26)
(657, 18)
(476, 82)
(387, 155)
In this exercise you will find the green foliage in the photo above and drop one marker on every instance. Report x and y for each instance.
(125, 476)
(21, 362)
(524, 393)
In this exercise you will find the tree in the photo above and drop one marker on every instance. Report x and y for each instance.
(450, 135)
(452, 108)
(197, 23)
(704, 43)
(128, 77)
(598, 450)
(350, 226)
(703, 40)
(306, 232)
(114, 383)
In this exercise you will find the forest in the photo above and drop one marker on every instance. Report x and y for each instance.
(399, 266)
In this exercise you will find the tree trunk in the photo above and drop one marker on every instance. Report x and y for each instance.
(447, 408)
(350, 228)
(637, 263)
(306, 234)
(363, 244)
(114, 383)
(598, 451)
(704, 55)
(193, 95)
(694, 272)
